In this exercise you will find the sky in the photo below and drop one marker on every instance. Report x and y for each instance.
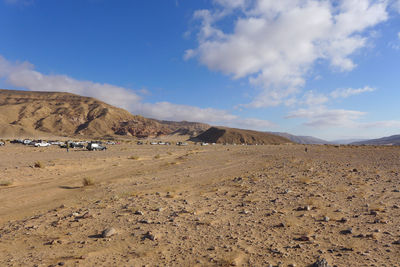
(324, 68)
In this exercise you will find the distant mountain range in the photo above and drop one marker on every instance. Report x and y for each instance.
(390, 140)
(308, 140)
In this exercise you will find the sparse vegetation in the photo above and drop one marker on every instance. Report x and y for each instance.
(134, 157)
(88, 181)
(38, 164)
(6, 183)
(158, 156)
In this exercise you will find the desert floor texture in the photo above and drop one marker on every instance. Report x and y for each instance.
(200, 206)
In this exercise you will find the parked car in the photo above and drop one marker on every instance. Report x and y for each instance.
(110, 143)
(153, 143)
(181, 144)
(139, 143)
(95, 146)
(17, 141)
(41, 144)
(27, 141)
(2, 143)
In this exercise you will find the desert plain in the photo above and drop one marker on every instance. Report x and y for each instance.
(216, 205)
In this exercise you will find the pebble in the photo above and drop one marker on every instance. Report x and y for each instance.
(321, 263)
(149, 235)
(347, 231)
(108, 232)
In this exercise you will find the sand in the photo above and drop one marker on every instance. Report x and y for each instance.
(200, 206)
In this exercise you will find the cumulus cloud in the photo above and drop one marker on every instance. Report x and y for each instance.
(275, 44)
(344, 93)
(23, 75)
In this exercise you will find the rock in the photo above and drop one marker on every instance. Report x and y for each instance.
(303, 238)
(108, 232)
(321, 263)
(326, 219)
(347, 231)
(149, 235)
(138, 212)
(396, 242)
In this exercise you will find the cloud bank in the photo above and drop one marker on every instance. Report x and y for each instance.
(23, 75)
(275, 44)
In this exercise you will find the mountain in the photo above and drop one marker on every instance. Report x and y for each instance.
(391, 140)
(32, 114)
(308, 140)
(239, 136)
(347, 141)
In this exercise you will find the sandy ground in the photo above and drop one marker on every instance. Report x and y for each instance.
(200, 206)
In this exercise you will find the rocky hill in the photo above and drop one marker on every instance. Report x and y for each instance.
(393, 140)
(239, 136)
(27, 113)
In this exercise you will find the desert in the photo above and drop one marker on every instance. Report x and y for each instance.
(208, 133)
(216, 205)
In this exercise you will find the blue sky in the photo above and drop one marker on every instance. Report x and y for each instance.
(310, 67)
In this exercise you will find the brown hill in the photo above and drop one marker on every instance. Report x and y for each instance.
(27, 113)
(239, 136)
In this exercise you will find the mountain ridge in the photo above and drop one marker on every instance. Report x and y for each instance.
(32, 113)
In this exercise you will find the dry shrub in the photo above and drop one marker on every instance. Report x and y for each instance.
(134, 157)
(157, 156)
(38, 164)
(88, 181)
(6, 183)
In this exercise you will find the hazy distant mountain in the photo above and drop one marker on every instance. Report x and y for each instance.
(308, 140)
(391, 140)
(347, 141)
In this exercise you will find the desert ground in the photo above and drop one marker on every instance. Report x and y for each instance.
(270, 205)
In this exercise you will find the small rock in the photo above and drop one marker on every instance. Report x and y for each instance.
(149, 235)
(138, 212)
(347, 231)
(321, 263)
(326, 219)
(108, 232)
(303, 238)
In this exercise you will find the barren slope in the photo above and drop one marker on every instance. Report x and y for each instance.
(26, 113)
(238, 136)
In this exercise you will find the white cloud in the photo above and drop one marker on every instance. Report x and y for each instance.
(344, 93)
(323, 117)
(23, 75)
(396, 5)
(312, 99)
(275, 44)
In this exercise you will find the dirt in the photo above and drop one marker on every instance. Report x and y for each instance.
(200, 206)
